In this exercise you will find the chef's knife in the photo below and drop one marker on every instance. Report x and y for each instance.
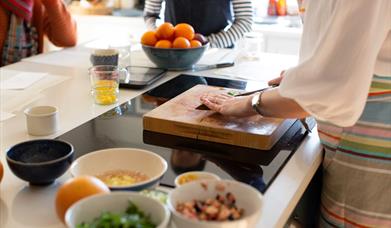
(212, 66)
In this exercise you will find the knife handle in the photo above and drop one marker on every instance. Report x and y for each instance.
(226, 64)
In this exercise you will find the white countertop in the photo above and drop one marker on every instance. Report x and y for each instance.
(24, 206)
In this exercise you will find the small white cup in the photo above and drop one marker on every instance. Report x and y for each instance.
(41, 120)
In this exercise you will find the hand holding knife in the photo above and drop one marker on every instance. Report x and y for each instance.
(303, 122)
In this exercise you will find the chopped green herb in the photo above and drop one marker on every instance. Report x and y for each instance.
(131, 218)
(233, 93)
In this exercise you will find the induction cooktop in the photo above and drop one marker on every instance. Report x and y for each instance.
(122, 126)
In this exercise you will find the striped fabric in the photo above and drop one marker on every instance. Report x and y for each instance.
(21, 8)
(243, 19)
(21, 42)
(357, 165)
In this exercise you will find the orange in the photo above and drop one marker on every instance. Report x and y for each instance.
(149, 38)
(163, 44)
(184, 30)
(75, 189)
(195, 43)
(181, 42)
(1, 171)
(165, 31)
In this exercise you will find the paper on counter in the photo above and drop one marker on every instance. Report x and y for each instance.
(16, 99)
(21, 81)
(65, 58)
(268, 66)
(218, 55)
(5, 116)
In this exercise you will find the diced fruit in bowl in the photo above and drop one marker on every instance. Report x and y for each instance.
(122, 168)
(219, 208)
(215, 204)
(194, 176)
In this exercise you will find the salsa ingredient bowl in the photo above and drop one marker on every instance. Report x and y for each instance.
(194, 176)
(175, 58)
(41, 161)
(122, 168)
(246, 198)
(90, 208)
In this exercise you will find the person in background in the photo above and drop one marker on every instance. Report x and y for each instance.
(343, 79)
(213, 19)
(23, 23)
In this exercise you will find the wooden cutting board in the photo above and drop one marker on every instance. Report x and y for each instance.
(178, 116)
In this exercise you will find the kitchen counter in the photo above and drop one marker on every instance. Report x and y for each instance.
(25, 206)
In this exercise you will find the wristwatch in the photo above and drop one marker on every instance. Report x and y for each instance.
(256, 102)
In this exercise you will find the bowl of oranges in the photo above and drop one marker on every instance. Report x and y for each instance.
(174, 47)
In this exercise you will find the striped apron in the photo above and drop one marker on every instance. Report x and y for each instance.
(356, 188)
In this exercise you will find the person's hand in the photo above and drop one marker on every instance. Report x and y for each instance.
(229, 105)
(276, 81)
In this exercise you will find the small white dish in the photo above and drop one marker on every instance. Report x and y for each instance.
(193, 176)
(132, 159)
(246, 196)
(41, 120)
(87, 209)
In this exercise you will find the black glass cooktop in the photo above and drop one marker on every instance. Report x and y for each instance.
(123, 127)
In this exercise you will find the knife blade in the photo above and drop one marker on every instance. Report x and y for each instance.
(213, 66)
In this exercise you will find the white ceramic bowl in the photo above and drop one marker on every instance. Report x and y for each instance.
(201, 175)
(87, 209)
(143, 161)
(247, 198)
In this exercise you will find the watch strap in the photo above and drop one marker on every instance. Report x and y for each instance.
(257, 103)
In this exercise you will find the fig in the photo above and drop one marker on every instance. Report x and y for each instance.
(200, 38)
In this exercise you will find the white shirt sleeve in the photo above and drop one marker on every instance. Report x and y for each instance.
(333, 78)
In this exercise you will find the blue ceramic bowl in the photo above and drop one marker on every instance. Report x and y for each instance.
(41, 161)
(175, 58)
